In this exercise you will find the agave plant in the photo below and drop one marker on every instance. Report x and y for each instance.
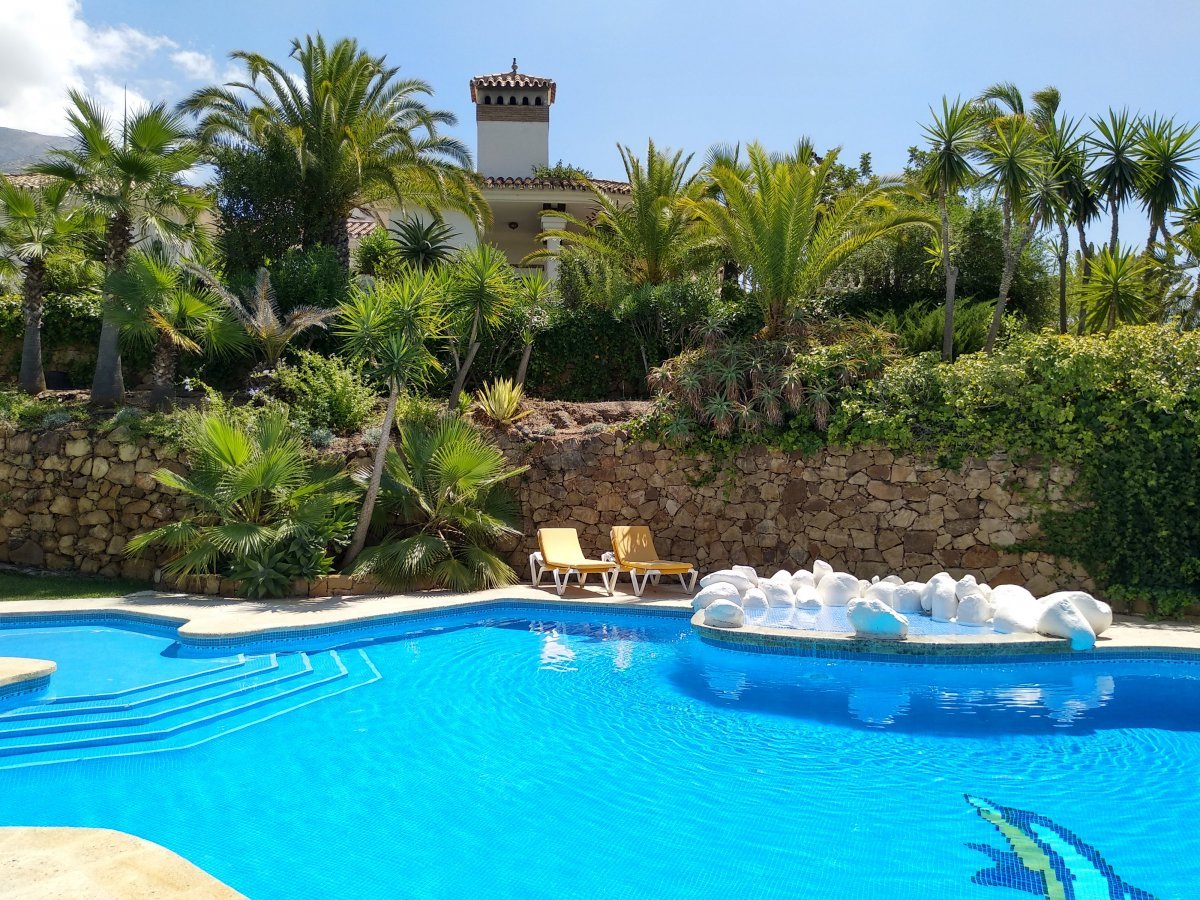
(501, 401)
(268, 515)
(442, 509)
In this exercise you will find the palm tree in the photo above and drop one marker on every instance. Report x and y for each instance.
(531, 304)
(772, 221)
(157, 306)
(479, 289)
(951, 138)
(445, 501)
(130, 177)
(357, 131)
(648, 237)
(1181, 265)
(1066, 155)
(1116, 169)
(422, 245)
(258, 312)
(1014, 163)
(1163, 151)
(1117, 291)
(387, 326)
(35, 223)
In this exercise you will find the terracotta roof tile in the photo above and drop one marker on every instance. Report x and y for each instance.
(360, 228)
(512, 79)
(24, 180)
(556, 184)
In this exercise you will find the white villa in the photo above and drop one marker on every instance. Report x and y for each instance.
(512, 119)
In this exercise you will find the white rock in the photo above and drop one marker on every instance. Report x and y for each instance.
(863, 584)
(807, 597)
(931, 588)
(837, 589)
(943, 600)
(986, 590)
(1062, 618)
(1098, 613)
(873, 618)
(754, 602)
(965, 585)
(974, 610)
(718, 591)
(820, 569)
(906, 598)
(802, 578)
(874, 579)
(894, 579)
(727, 576)
(783, 576)
(1016, 610)
(724, 614)
(747, 572)
(1004, 593)
(778, 595)
(881, 590)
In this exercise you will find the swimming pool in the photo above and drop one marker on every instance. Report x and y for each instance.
(559, 754)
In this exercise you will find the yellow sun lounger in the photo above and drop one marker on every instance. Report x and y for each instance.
(559, 554)
(633, 549)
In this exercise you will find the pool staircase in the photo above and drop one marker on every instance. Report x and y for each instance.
(178, 713)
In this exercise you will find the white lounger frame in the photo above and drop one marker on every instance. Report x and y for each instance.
(687, 584)
(538, 568)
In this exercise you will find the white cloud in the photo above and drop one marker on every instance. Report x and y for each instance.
(199, 66)
(46, 48)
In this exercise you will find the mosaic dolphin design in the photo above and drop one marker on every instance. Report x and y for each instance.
(1045, 859)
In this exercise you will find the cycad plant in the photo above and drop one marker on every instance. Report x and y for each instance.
(442, 510)
(157, 305)
(268, 514)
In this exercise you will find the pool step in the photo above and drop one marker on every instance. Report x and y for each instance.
(270, 686)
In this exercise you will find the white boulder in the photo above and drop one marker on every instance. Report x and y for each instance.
(724, 614)
(965, 585)
(881, 590)
(1098, 613)
(727, 576)
(974, 610)
(906, 598)
(807, 597)
(1062, 618)
(932, 587)
(863, 584)
(942, 599)
(746, 572)
(894, 579)
(718, 591)
(778, 595)
(754, 602)
(837, 589)
(801, 579)
(871, 617)
(783, 576)
(1016, 610)
(820, 569)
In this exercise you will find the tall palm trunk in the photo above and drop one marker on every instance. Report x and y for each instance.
(368, 507)
(1064, 249)
(460, 380)
(108, 384)
(1115, 209)
(1085, 252)
(524, 366)
(951, 277)
(1011, 257)
(332, 233)
(162, 373)
(32, 378)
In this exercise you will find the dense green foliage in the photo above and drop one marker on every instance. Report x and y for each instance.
(323, 392)
(1124, 411)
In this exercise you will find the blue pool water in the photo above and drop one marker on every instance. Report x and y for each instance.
(594, 754)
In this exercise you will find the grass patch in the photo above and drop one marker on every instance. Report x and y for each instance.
(21, 586)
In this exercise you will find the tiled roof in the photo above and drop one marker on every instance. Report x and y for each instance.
(556, 184)
(359, 228)
(513, 79)
(21, 179)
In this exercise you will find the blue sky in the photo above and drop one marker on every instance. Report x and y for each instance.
(859, 75)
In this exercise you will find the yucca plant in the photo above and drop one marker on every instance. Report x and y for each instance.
(442, 509)
(501, 401)
(268, 513)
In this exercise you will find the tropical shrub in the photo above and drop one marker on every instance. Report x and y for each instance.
(442, 510)
(323, 392)
(918, 329)
(500, 401)
(307, 278)
(1122, 411)
(269, 513)
(373, 253)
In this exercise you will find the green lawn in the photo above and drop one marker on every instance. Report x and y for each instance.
(15, 586)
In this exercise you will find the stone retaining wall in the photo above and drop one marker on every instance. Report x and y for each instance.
(869, 512)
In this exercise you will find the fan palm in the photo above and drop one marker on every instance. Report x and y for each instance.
(131, 178)
(445, 507)
(1164, 150)
(358, 133)
(771, 220)
(35, 223)
(268, 514)
(422, 245)
(648, 237)
(1117, 292)
(258, 312)
(951, 138)
(479, 289)
(156, 305)
(1116, 169)
(388, 326)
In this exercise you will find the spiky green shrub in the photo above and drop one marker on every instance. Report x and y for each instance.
(443, 508)
(918, 329)
(268, 513)
(500, 401)
(324, 392)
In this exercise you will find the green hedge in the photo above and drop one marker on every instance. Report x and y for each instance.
(1122, 410)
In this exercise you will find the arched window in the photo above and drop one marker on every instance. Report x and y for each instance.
(537, 102)
(487, 99)
(512, 101)
(524, 101)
